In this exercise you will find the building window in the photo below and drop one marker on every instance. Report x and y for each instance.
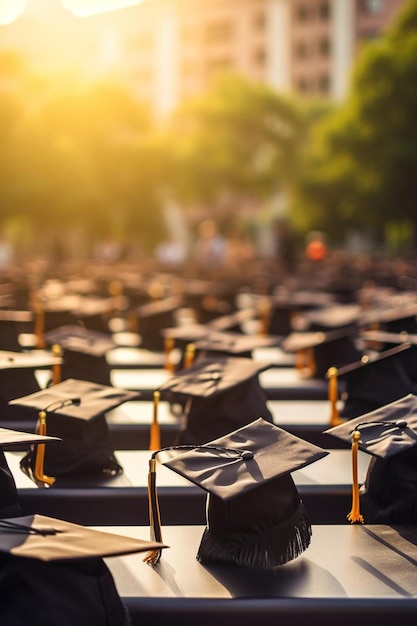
(218, 32)
(373, 6)
(260, 56)
(303, 13)
(324, 84)
(324, 10)
(260, 21)
(324, 47)
(302, 85)
(301, 50)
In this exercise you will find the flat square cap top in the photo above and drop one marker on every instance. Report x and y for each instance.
(76, 399)
(210, 376)
(79, 339)
(366, 363)
(50, 539)
(10, 437)
(386, 431)
(27, 360)
(245, 459)
(234, 343)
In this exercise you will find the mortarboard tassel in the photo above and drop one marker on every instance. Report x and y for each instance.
(189, 355)
(332, 375)
(264, 316)
(169, 344)
(155, 438)
(355, 514)
(56, 369)
(39, 326)
(152, 557)
(41, 478)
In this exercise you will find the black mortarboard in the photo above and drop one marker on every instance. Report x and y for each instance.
(152, 318)
(332, 317)
(376, 379)
(317, 350)
(255, 517)
(18, 377)
(383, 340)
(12, 324)
(389, 435)
(278, 312)
(234, 344)
(53, 572)
(84, 352)
(220, 394)
(94, 313)
(75, 411)
(400, 315)
(9, 505)
(233, 322)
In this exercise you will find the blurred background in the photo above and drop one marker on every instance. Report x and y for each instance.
(214, 131)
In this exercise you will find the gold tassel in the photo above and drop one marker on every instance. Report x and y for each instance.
(155, 438)
(39, 326)
(332, 374)
(56, 368)
(169, 344)
(264, 316)
(189, 355)
(355, 514)
(41, 478)
(152, 557)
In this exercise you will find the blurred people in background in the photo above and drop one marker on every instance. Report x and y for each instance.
(6, 252)
(285, 245)
(316, 248)
(210, 246)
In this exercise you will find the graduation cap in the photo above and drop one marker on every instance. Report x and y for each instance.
(382, 340)
(389, 435)
(234, 344)
(18, 377)
(255, 517)
(151, 318)
(219, 395)
(12, 324)
(84, 352)
(9, 505)
(278, 311)
(75, 411)
(335, 316)
(400, 315)
(317, 351)
(372, 381)
(53, 572)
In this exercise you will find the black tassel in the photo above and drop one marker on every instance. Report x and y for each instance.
(273, 547)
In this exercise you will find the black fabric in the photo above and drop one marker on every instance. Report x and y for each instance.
(211, 417)
(15, 383)
(38, 593)
(389, 494)
(86, 448)
(93, 368)
(9, 506)
(263, 528)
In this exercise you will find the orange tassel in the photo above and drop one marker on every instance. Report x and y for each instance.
(56, 368)
(169, 344)
(39, 326)
(152, 557)
(332, 374)
(189, 355)
(155, 437)
(41, 478)
(355, 514)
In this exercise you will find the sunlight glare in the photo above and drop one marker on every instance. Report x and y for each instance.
(84, 8)
(11, 10)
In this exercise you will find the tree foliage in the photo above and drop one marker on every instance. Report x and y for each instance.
(361, 170)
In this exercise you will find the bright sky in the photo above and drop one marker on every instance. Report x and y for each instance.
(12, 9)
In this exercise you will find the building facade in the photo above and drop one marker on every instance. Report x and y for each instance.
(170, 50)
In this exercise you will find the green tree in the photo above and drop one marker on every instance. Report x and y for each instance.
(239, 142)
(362, 167)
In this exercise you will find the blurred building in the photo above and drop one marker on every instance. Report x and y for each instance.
(169, 50)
